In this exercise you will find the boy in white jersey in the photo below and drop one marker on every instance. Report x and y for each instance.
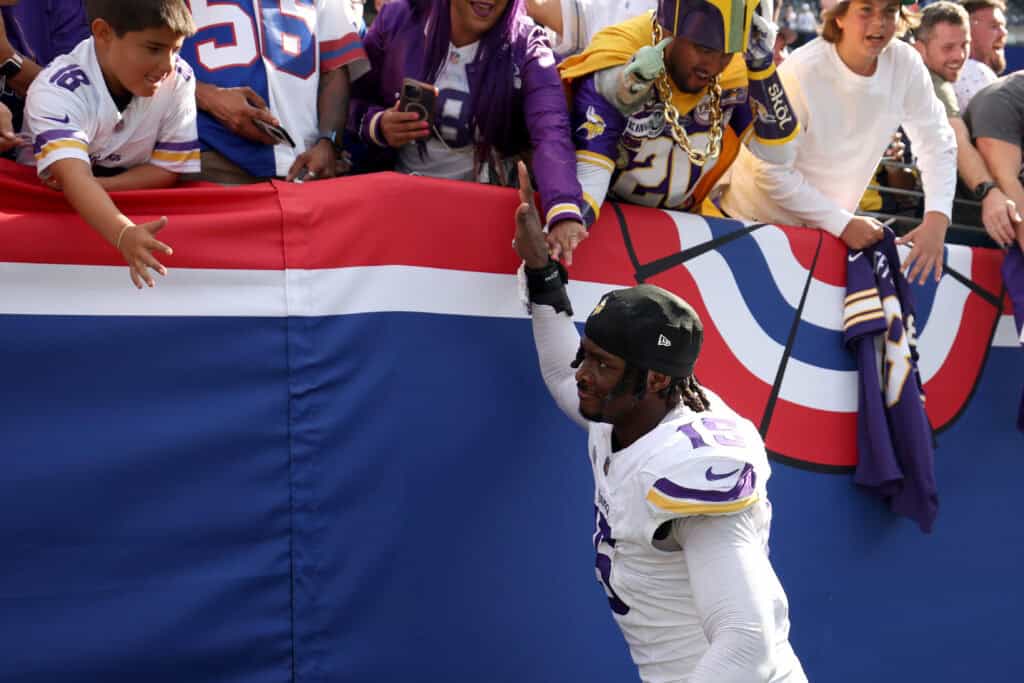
(681, 509)
(118, 113)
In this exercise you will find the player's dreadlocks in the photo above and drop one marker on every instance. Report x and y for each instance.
(680, 389)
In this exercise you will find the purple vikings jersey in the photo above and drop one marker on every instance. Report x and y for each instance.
(1013, 278)
(647, 167)
(894, 439)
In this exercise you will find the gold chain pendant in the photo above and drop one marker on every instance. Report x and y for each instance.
(664, 88)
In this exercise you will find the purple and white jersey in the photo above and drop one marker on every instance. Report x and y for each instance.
(710, 463)
(71, 115)
(635, 159)
(896, 458)
(1013, 278)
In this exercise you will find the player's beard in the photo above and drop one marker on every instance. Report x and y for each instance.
(602, 399)
(687, 81)
(601, 414)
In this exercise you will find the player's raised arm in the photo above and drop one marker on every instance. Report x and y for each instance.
(553, 331)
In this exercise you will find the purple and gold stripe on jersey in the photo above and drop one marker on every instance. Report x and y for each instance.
(671, 497)
(599, 160)
(51, 141)
(175, 152)
(338, 53)
(861, 307)
(564, 211)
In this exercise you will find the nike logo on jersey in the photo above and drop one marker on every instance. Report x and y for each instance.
(711, 476)
(66, 119)
(663, 340)
(854, 256)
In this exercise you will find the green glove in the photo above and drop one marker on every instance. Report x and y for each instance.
(648, 62)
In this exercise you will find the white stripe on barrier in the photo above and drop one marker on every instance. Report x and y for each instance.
(106, 290)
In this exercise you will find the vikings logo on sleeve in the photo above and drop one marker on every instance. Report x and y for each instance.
(593, 126)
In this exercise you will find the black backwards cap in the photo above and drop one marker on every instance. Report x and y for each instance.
(648, 327)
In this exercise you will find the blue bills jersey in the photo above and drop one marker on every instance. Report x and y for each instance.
(278, 48)
(896, 459)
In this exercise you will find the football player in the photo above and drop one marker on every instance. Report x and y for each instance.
(681, 511)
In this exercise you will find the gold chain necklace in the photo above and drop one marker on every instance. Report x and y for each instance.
(676, 129)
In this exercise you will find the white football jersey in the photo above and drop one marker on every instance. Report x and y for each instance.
(581, 19)
(710, 463)
(71, 115)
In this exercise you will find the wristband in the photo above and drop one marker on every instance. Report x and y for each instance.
(546, 286)
(120, 235)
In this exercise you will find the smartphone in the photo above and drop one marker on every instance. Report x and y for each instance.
(279, 134)
(419, 97)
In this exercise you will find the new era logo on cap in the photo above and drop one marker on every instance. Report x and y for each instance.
(663, 340)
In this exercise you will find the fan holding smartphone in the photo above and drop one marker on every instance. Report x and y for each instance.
(412, 116)
(474, 84)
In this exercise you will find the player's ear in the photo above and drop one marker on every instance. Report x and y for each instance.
(657, 382)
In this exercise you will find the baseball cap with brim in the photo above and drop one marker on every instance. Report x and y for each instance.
(722, 25)
(648, 327)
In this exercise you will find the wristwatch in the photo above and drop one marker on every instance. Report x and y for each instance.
(983, 189)
(11, 66)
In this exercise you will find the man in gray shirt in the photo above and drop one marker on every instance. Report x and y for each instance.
(943, 39)
(995, 118)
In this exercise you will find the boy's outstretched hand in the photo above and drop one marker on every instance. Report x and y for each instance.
(136, 244)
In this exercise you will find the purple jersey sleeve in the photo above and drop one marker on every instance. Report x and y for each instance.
(596, 124)
(895, 450)
(741, 118)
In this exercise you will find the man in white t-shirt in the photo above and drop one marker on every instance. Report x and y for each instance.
(988, 48)
(575, 22)
(681, 509)
(288, 64)
(117, 113)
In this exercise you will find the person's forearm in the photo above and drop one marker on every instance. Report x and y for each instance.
(29, 70)
(547, 13)
(204, 91)
(142, 177)
(94, 205)
(332, 101)
(788, 188)
(969, 162)
(556, 339)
